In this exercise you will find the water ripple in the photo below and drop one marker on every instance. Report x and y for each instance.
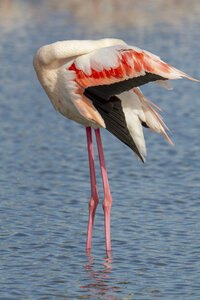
(45, 187)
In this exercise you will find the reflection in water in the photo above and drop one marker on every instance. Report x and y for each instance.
(99, 283)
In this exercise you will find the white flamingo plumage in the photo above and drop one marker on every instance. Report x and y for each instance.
(96, 83)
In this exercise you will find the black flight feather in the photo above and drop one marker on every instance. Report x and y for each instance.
(114, 118)
(107, 90)
(109, 106)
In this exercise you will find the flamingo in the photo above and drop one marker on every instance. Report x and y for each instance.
(96, 83)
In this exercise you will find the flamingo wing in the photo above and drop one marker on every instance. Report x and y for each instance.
(113, 70)
(101, 75)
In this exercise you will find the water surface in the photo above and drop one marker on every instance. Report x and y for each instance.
(44, 174)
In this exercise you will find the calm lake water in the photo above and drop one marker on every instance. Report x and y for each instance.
(44, 174)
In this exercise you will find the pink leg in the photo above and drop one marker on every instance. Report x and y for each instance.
(94, 195)
(107, 195)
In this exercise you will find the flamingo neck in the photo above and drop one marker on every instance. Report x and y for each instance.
(69, 49)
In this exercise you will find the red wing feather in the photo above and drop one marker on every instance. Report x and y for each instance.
(112, 65)
(130, 64)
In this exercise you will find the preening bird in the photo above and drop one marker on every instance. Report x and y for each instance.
(96, 83)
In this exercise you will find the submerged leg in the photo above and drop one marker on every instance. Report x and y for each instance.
(107, 195)
(94, 195)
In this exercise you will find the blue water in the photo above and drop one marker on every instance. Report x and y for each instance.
(44, 178)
